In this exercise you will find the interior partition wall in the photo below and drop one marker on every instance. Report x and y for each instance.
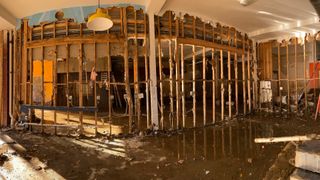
(70, 79)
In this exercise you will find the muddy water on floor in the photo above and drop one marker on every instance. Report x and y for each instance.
(227, 152)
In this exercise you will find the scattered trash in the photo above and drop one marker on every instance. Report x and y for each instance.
(207, 172)
(181, 161)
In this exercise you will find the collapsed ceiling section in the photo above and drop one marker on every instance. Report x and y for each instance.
(262, 20)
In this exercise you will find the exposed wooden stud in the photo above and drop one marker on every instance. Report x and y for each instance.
(68, 92)
(222, 85)
(109, 69)
(171, 83)
(305, 76)
(146, 63)
(194, 109)
(55, 78)
(95, 90)
(183, 88)
(178, 77)
(136, 75)
(160, 76)
(81, 86)
(244, 85)
(178, 80)
(160, 84)
(279, 76)
(42, 87)
(236, 83)
(295, 73)
(213, 87)
(288, 78)
(249, 80)
(229, 85)
(204, 92)
(24, 61)
(126, 69)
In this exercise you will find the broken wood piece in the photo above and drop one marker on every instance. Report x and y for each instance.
(287, 138)
(3, 148)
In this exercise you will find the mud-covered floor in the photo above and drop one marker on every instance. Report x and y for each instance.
(219, 152)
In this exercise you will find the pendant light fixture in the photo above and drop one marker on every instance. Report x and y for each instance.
(99, 21)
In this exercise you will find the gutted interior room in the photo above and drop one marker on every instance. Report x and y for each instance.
(159, 89)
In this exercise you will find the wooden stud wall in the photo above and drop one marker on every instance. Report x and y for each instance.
(281, 64)
(215, 48)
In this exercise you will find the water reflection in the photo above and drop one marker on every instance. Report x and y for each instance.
(214, 143)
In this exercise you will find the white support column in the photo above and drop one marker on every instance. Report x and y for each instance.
(153, 73)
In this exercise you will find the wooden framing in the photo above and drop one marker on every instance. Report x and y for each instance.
(132, 27)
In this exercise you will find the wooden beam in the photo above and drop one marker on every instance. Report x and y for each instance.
(136, 75)
(208, 44)
(24, 61)
(229, 85)
(213, 87)
(171, 83)
(183, 88)
(204, 92)
(88, 39)
(222, 85)
(236, 82)
(81, 86)
(194, 109)
(244, 85)
(178, 80)
(288, 78)
(249, 80)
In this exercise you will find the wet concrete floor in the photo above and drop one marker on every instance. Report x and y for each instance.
(219, 152)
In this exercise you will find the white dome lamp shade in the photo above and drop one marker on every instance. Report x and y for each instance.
(99, 21)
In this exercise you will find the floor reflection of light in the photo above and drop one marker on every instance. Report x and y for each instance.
(111, 148)
(21, 168)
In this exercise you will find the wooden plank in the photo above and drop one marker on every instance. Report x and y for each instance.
(171, 83)
(194, 109)
(160, 76)
(288, 82)
(236, 82)
(126, 70)
(222, 85)
(146, 64)
(178, 77)
(295, 73)
(88, 39)
(279, 76)
(183, 88)
(68, 91)
(229, 85)
(213, 87)
(249, 80)
(244, 85)
(24, 61)
(2, 89)
(207, 44)
(178, 80)
(136, 76)
(305, 76)
(95, 91)
(80, 84)
(42, 87)
(109, 69)
(204, 92)
(55, 78)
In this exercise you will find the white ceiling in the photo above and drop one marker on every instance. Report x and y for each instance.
(264, 19)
